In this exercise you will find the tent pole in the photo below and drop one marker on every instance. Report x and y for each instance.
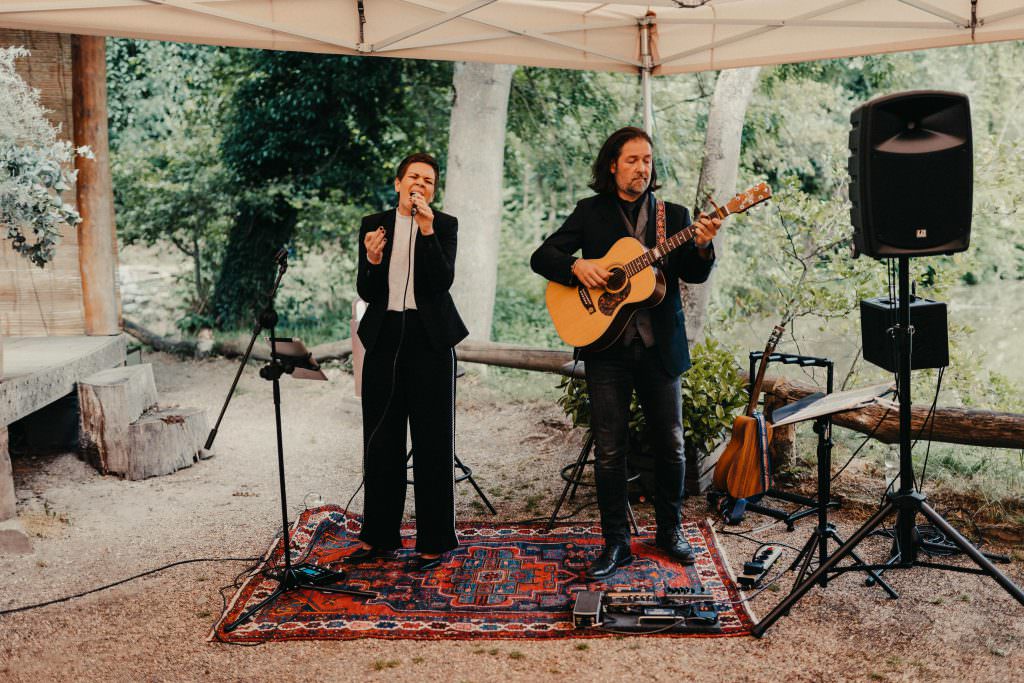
(646, 66)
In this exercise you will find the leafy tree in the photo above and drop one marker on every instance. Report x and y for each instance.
(34, 168)
(299, 125)
(170, 186)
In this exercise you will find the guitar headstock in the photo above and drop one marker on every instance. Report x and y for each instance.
(752, 197)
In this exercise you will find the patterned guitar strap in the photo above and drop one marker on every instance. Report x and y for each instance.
(660, 221)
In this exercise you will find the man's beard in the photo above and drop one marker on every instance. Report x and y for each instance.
(636, 187)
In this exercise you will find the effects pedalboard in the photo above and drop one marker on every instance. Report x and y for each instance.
(677, 610)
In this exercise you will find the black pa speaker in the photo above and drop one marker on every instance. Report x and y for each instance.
(911, 174)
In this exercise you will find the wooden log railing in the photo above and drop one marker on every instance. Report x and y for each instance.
(951, 424)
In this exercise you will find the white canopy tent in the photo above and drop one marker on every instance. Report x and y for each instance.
(646, 37)
(689, 35)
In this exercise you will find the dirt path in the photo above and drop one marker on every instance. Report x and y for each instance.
(93, 529)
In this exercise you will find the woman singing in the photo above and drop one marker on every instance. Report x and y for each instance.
(406, 266)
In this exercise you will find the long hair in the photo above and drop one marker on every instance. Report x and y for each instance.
(602, 179)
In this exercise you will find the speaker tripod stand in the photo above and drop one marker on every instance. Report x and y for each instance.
(905, 503)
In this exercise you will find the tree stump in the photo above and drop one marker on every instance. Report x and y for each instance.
(165, 440)
(110, 401)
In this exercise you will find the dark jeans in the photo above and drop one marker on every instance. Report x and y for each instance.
(424, 400)
(612, 375)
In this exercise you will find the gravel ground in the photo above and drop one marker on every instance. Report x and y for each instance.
(92, 529)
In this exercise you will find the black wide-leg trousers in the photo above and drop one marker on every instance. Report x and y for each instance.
(405, 381)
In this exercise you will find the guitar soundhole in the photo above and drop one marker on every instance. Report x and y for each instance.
(617, 280)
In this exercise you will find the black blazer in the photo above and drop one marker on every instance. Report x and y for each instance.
(433, 274)
(594, 226)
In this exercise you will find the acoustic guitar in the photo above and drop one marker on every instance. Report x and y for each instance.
(743, 470)
(593, 319)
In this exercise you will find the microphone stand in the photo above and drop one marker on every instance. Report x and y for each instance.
(303, 575)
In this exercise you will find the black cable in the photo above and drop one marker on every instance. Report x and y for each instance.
(750, 539)
(560, 518)
(165, 567)
(931, 430)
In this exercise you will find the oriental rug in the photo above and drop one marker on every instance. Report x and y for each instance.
(504, 581)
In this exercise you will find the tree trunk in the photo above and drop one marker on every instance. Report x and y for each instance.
(476, 153)
(248, 272)
(718, 173)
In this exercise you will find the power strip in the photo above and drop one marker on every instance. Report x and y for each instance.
(755, 570)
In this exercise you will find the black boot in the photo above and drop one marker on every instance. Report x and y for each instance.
(673, 543)
(611, 558)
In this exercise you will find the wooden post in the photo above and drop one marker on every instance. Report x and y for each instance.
(96, 234)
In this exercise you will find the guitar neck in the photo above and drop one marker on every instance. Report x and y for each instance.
(769, 349)
(660, 251)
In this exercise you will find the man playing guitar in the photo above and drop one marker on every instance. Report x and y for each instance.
(651, 353)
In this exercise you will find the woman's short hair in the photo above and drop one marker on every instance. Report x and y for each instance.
(421, 158)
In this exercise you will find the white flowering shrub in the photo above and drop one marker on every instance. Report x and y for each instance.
(35, 168)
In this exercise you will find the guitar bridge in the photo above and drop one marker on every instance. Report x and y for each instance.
(585, 299)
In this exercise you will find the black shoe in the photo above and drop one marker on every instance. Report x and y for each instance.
(611, 558)
(424, 564)
(676, 546)
(367, 555)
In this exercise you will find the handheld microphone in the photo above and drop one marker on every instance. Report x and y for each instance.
(413, 195)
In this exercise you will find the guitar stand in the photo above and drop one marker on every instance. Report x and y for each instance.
(573, 476)
(808, 506)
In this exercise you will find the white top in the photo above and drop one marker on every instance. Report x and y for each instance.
(402, 266)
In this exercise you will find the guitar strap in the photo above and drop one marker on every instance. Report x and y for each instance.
(660, 220)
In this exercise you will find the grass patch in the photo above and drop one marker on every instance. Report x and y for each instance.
(382, 664)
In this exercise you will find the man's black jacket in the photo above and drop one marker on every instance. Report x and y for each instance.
(594, 226)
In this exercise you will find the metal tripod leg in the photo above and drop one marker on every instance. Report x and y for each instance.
(572, 482)
(468, 475)
(972, 552)
(577, 474)
(845, 549)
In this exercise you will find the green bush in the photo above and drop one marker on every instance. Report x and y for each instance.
(713, 392)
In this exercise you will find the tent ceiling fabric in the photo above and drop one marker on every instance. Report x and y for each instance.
(718, 34)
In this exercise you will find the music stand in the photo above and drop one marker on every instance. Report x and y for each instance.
(292, 357)
(821, 408)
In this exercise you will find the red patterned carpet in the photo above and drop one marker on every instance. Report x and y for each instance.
(502, 582)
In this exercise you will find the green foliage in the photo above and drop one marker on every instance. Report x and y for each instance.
(713, 394)
(35, 168)
(301, 126)
(174, 190)
(324, 121)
